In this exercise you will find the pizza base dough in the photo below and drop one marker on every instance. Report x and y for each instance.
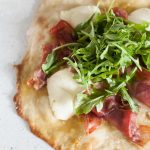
(33, 106)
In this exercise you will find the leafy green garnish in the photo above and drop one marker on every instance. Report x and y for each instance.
(110, 50)
(110, 45)
(51, 60)
(50, 63)
(85, 103)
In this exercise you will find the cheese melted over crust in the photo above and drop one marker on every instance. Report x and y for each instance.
(62, 90)
(78, 15)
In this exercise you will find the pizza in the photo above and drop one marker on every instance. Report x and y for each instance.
(84, 83)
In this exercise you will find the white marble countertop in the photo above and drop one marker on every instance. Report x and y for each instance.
(15, 18)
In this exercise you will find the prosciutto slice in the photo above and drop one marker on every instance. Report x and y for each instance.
(61, 33)
(120, 115)
(140, 89)
(119, 12)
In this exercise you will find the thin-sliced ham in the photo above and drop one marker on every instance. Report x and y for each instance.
(38, 79)
(120, 115)
(140, 88)
(119, 12)
(61, 33)
(142, 92)
(125, 121)
(47, 49)
(143, 75)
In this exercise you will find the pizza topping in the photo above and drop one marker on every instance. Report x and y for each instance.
(38, 80)
(140, 15)
(112, 50)
(120, 12)
(109, 49)
(140, 88)
(104, 53)
(62, 33)
(62, 89)
(47, 49)
(142, 92)
(78, 15)
(111, 103)
(121, 116)
(143, 75)
(125, 121)
(91, 122)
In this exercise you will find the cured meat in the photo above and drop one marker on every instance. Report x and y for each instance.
(143, 75)
(140, 88)
(38, 79)
(119, 12)
(142, 92)
(47, 49)
(125, 121)
(61, 33)
(121, 116)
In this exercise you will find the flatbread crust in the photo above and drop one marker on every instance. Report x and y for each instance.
(33, 106)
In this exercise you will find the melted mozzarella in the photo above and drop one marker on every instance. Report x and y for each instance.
(62, 90)
(140, 16)
(78, 15)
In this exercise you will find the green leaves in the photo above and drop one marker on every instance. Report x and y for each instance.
(125, 95)
(146, 59)
(51, 60)
(127, 58)
(50, 64)
(110, 45)
(85, 103)
(110, 50)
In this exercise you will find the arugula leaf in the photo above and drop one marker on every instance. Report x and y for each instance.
(50, 63)
(127, 97)
(51, 60)
(128, 56)
(146, 59)
(85, 103)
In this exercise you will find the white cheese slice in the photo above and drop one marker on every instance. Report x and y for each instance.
(140, 15)
(78, 14)
(62, 90)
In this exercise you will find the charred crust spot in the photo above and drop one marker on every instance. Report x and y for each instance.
(41, 21)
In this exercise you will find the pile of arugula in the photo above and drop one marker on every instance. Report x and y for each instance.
(106, 48)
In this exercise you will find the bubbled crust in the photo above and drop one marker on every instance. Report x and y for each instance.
(33, 106)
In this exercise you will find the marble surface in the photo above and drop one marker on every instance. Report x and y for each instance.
(15, 19)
